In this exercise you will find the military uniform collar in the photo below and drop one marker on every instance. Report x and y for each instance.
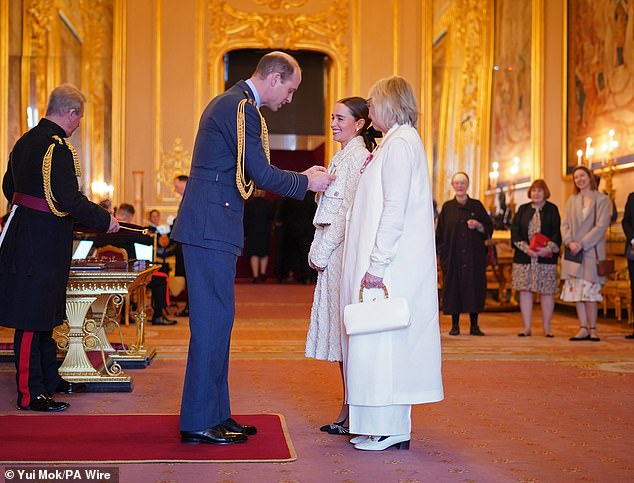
(54, 127)
(254, 93)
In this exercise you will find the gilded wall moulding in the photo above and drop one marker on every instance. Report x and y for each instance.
(471, 34)
(281, 4)
(325, 31)
(173, 163)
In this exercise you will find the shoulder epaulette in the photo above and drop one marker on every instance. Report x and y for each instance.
(47, 163)
(245, 187)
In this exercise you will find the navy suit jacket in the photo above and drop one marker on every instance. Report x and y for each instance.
(212, 209)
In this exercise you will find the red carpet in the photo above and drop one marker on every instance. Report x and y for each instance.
(61, 438)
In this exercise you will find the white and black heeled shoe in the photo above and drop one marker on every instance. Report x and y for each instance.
(359, 439)
(379, 443)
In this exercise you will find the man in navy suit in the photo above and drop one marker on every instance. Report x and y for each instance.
(228, 158)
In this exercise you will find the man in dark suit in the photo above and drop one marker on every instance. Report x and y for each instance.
(231, 146)
(36, 245)
(628, 228)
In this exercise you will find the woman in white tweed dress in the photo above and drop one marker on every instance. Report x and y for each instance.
(349, 124)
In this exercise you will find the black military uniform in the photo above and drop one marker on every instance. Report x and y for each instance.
(35, 254)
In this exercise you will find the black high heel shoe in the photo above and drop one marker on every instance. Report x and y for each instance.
(336, 428)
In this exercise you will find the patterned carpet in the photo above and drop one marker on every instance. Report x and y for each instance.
(515, 410)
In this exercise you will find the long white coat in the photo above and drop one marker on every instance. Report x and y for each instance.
(391, 235)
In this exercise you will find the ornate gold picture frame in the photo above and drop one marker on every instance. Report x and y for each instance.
(599, 85)
(515, 127)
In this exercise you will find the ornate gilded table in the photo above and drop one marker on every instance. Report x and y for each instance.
(101, 289)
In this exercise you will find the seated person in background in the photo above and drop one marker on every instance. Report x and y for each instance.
(158, 284)
(125, 212)
(155, 221)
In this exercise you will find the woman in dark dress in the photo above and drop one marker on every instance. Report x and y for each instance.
(462, 230)
(258, 219)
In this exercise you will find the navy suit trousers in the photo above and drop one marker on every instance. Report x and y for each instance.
(210, 283)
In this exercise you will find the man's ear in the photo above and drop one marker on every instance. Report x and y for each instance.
(275, 77)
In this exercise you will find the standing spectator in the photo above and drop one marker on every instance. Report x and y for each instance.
(297, 218)
(462, 230)
(258, 221)
(586, 219)
(628, 229)
(535, 269)
(180, 184)
(36, 245)
(325, 340)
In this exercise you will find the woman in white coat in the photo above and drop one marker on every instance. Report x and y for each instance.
(349, 123)
(390, 240)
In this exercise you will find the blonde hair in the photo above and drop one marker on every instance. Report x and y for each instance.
(394, 101)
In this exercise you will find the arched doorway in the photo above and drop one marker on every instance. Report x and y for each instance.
(297, 135)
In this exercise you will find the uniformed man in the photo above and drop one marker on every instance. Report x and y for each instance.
(36, 245)
(231, 155)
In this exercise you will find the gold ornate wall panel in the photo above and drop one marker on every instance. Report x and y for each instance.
(65, 41)
(174, 162)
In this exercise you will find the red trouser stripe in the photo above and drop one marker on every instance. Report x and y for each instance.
(167, 287)
(24, 366)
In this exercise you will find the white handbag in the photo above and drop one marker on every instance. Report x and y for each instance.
(372, 316)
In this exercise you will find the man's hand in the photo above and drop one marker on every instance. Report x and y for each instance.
(318, 178)
(114, 225)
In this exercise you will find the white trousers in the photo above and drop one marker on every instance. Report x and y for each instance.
(381, 420)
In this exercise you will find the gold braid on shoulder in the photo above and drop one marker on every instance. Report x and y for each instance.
(47, 163)
(246, 188)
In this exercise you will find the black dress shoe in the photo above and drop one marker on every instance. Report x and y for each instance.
(216, 435)
(66, 387)
(162, 321)
(235, 427)
(475, 331)
(43, 403)
(454, 331)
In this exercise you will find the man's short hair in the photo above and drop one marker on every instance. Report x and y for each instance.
(154, 211)
(65, 98)
(277, 62)
(127, 207)
(181, 177)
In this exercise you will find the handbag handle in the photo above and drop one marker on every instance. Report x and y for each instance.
(385, 292)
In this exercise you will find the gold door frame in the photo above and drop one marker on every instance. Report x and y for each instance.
(320, 32)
